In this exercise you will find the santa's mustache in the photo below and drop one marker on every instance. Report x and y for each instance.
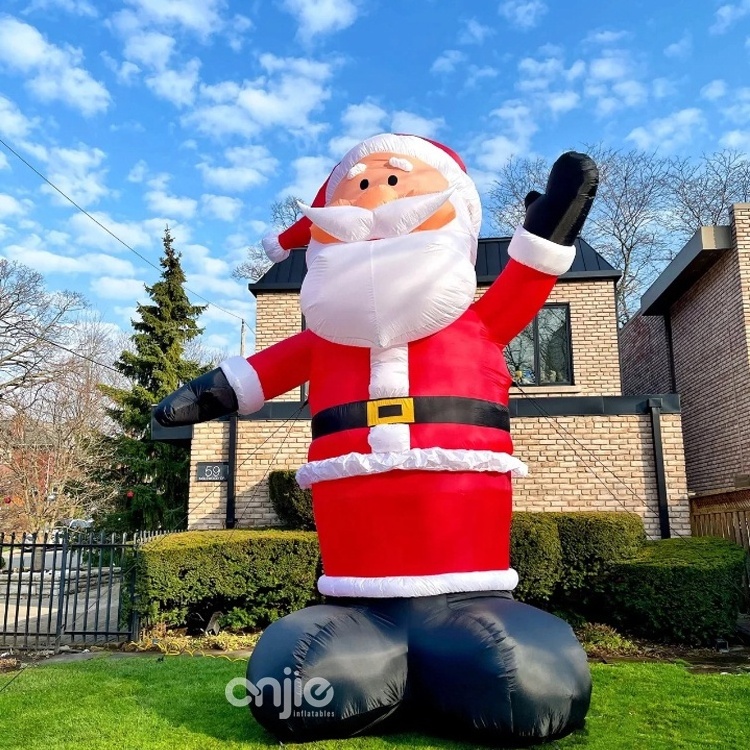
(392, 219)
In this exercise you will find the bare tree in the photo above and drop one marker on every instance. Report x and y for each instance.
(702, 191)
(283, 214)
(626, 225)
(50, 444)
(31, 318)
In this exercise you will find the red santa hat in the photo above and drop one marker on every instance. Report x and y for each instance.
(444, 159)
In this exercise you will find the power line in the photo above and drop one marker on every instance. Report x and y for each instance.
(108, 230)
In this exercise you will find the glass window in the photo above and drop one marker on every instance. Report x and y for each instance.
(540, 354)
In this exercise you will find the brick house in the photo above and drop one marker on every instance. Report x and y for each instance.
(588, 447)
(692, 337)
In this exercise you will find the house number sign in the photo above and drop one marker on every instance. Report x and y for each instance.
(213, 471)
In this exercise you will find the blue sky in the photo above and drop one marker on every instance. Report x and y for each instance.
(200, 113)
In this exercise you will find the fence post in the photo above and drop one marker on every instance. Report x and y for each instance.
(135, 620)
(61, 596)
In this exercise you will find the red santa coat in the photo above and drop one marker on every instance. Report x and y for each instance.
(409, 509)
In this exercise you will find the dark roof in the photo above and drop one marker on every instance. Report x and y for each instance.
(702, 250)
(492, 255)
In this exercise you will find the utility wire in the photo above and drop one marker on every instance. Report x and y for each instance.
(107, 229)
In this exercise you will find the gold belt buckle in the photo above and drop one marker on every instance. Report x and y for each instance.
(390, 411)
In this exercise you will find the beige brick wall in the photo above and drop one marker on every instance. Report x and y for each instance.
(644, 355)
(576, 463)
(712, 368)
(277, 317)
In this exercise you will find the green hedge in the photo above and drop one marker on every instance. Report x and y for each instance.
(536, 554)
(678, 590)
(253, 577)
(589, 543)
(292, 504)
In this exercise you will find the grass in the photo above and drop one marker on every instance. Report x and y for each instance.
(153, 703)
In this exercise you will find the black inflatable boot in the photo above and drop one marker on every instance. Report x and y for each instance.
(480, 666)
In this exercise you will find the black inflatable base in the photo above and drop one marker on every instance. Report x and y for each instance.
(478, 666)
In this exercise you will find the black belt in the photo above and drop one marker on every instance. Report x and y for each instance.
(416, 410)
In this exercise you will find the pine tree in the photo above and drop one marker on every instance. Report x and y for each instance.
(153, 478)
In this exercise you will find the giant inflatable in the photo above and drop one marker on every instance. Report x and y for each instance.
(411, 456)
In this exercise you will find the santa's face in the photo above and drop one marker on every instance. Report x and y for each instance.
(391, 258)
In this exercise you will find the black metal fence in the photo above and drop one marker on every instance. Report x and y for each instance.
(68, 588)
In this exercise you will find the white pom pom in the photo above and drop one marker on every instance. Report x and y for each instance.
(273, 249)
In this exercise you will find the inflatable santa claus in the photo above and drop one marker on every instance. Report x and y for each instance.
(411, 457)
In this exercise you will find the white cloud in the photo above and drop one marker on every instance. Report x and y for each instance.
(4, 161)
(54, 73)
(359, 121)
(78, 172)
(150, 48)
(714, 90)
(663, 87)
(517, 127)
(611, 66)
(162, 203)
(605, 36)
(474, 32)
(201, 17)
(10, 206)
(285, 96)
(221, 207)
(739, 109)
(176, 86)
(317, 17)
(523, 14)
(248, 166)
(727, 15)
(236, 29)
(13, 123)
(447, 61)
(76, 7)
(680, 49)
(736, 139)
(475, 74)
(138, 172)
(32, 253)
(561, 102)
(408, 122)
(86, 232)
(108, 287)
(310, 172)
(668, 133)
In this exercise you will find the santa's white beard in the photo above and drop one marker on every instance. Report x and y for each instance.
(381, 293)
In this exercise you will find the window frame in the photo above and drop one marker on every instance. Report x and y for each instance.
(537, 356)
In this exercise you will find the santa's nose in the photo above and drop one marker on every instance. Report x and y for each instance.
(375, 195)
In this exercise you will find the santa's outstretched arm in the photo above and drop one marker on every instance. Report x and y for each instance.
(542, 249)
(239, 384)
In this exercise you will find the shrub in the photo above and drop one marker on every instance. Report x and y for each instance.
(589, 543)
(292, 504)
(678, 590)
(190, 575)
(536, 554)
(2, 562)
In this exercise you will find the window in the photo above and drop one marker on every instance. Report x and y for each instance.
(540, 354)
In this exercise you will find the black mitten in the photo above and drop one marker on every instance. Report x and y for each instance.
(559, 213)
(207, 397)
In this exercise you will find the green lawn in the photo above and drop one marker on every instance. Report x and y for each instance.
(147, 704)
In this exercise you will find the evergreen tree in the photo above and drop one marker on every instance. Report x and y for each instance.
(153, 478)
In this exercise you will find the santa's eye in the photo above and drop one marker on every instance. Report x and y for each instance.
(364, 184)
(393, 180)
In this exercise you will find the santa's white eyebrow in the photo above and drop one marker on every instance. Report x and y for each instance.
(355, 170)
(399, 163)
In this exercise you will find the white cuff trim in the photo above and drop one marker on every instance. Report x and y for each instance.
(408, 586)
(425, 459)
(273, 249)
(540, 254)
(244, 380)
